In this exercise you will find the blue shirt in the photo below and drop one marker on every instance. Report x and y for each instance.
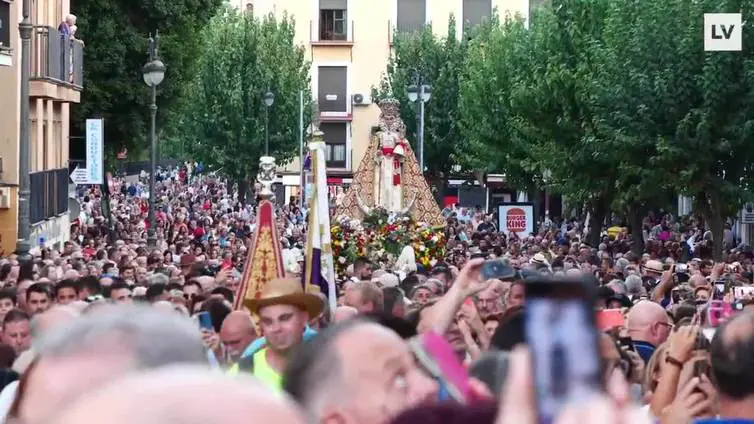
(644, 349)
(260, 342)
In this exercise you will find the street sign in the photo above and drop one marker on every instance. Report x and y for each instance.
(80, 176)
(747, 214)
(95, 147)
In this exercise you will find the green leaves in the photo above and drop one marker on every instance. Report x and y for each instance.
(241, 57)
(617, 100)
(115, 32)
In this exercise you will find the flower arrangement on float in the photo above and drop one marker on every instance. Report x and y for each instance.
(381, 236)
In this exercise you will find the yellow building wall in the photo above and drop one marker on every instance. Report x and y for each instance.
(511, 7)
(9, 222)
(372, 24)
(48, 150)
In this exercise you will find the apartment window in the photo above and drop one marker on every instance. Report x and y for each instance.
(475, 12)
(412, 15)
(335, 142)
(4, 25)
(332, 93)
(332, 20)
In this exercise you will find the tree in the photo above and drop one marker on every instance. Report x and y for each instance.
(551, 107)
(116, 34)
(439, 62)
(241, 58)
(631, 94)
(691, 113)
(493, 64)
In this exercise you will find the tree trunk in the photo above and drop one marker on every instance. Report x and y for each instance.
(437, 185)
(533, 194)
(596, 218)
(241, 187)
(709, 204)
(479, 175)
(635, 220)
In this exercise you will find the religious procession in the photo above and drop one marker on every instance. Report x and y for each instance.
(523, 262)
(381, 308)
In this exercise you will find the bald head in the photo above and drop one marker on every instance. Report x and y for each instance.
(54, 317)
(160, 397)
(237, 333)
(343, 313)
(698, 280)
(207, 283)
(71, 274)
(648, 321)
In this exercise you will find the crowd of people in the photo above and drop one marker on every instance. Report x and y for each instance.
(115, 331)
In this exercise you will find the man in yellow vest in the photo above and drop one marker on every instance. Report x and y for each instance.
(284, 310)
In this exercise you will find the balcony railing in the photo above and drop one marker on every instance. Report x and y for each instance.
(49, 194)
(57, 57)
(319, 35)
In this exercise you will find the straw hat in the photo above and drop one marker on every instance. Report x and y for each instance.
(286, 291)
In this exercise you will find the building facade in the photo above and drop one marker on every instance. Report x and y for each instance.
(349, 43)
(56, 81)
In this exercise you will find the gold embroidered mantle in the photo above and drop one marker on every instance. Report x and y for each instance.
(424, 209)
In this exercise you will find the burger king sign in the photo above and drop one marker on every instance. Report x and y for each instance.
(517, 218)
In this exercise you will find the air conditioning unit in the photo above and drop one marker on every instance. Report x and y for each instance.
(361, 99)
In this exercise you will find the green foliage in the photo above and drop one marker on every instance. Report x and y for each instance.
(617, 101)
(116, 32)
(439, 62)
(491, 144)
(223, 121)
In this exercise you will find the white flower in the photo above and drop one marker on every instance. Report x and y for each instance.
(341, 260)
(422, 248)
(434, 239)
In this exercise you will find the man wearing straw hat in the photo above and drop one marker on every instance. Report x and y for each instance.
(283, 309)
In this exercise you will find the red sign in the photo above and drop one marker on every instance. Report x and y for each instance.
(515, 220)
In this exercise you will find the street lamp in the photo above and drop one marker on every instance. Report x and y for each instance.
(25, 29)
(153, 73)
(547, 178)
(421, 93)
(269, 99)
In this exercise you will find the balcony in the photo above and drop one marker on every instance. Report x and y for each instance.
(49, 194)
(319, 35)
(57, 66)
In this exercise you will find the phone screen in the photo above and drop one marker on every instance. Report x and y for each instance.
(561, 333)
(719, 291)
(627, 342)
(205, 320)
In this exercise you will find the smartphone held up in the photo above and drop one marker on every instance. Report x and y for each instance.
(561, 331)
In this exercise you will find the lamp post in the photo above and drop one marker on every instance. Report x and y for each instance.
(546, 178)
(269, 99)
(25, 29)
(421, 93)
(154, 73)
